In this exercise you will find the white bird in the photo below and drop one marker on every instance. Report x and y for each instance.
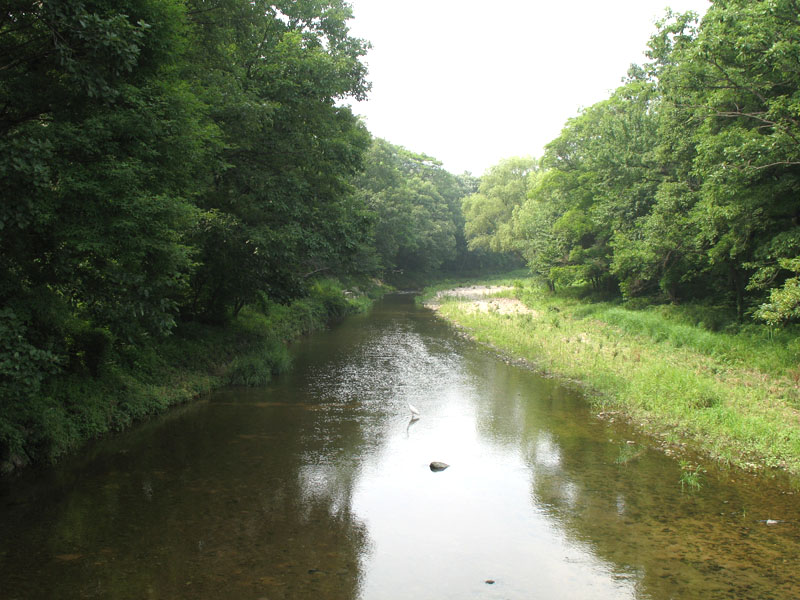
(414, 412)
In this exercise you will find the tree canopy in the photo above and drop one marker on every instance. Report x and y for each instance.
(416, 208)
(166, 160)
(684, 184)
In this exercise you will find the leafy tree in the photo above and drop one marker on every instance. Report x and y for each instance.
(416, 204)
(100, 149)
(274, 74)
(488, 212)
(600, 183)
(544, 250)
(735, 79)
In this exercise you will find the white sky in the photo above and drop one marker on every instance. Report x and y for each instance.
(471, 82)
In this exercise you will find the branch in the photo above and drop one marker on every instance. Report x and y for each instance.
(724, 73)
(776, 164)
(315, 271)
(757, 116)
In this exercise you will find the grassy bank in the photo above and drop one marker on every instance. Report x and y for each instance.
(732, 394)
(135, 382)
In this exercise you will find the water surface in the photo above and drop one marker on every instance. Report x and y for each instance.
(319, 487)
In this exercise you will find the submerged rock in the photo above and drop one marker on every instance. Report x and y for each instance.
(438, 466)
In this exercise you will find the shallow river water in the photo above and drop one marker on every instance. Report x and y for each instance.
(319, 486)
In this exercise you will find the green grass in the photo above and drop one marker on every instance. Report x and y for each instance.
(691, 476)
(757, 347)
(257, 367)
(734, 397)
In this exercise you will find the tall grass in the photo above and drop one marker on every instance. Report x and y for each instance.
(258, 367)
(756, 347)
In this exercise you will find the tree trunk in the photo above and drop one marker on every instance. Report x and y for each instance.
(737, 283)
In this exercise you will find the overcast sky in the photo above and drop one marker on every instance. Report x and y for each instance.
(471, 82)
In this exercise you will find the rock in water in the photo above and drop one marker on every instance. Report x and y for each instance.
(438, 466)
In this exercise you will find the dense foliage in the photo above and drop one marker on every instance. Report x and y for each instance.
(163, 161)
(168, 163)
(416, 209)
(685, 183)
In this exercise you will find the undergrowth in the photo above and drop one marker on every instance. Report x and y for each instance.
(136, 382)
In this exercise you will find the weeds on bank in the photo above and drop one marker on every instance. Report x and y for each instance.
(691, 476)
(733, 395)
(257, 367)
(139, 381)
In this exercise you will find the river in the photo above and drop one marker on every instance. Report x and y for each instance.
(319, 486)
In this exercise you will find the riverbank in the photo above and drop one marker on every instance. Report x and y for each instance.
(731, 397)
(137, 382)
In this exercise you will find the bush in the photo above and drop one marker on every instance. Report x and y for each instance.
(329, 293)
(23, 366)
(88, 348)
(257, 368)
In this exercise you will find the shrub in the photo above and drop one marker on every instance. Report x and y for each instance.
(257, 368)
(329, 293)
(88, 348)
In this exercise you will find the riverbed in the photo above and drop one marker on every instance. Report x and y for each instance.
(320, 486)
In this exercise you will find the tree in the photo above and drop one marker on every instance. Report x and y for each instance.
(488, 212)
(100, 152)
(274, 74)
(735, 79)
(102, 148)
(600, 183)
(415, 203)
(533, 226)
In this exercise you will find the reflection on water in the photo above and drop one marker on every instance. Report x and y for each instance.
(319, 487)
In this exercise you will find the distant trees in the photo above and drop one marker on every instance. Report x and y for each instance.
(416, 207)
(488, 211)
(685, 183)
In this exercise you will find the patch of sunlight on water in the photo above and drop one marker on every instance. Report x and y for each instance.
(442, 535)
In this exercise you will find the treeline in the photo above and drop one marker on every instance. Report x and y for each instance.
(167, 163)
(684, 185)
(418, 218)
